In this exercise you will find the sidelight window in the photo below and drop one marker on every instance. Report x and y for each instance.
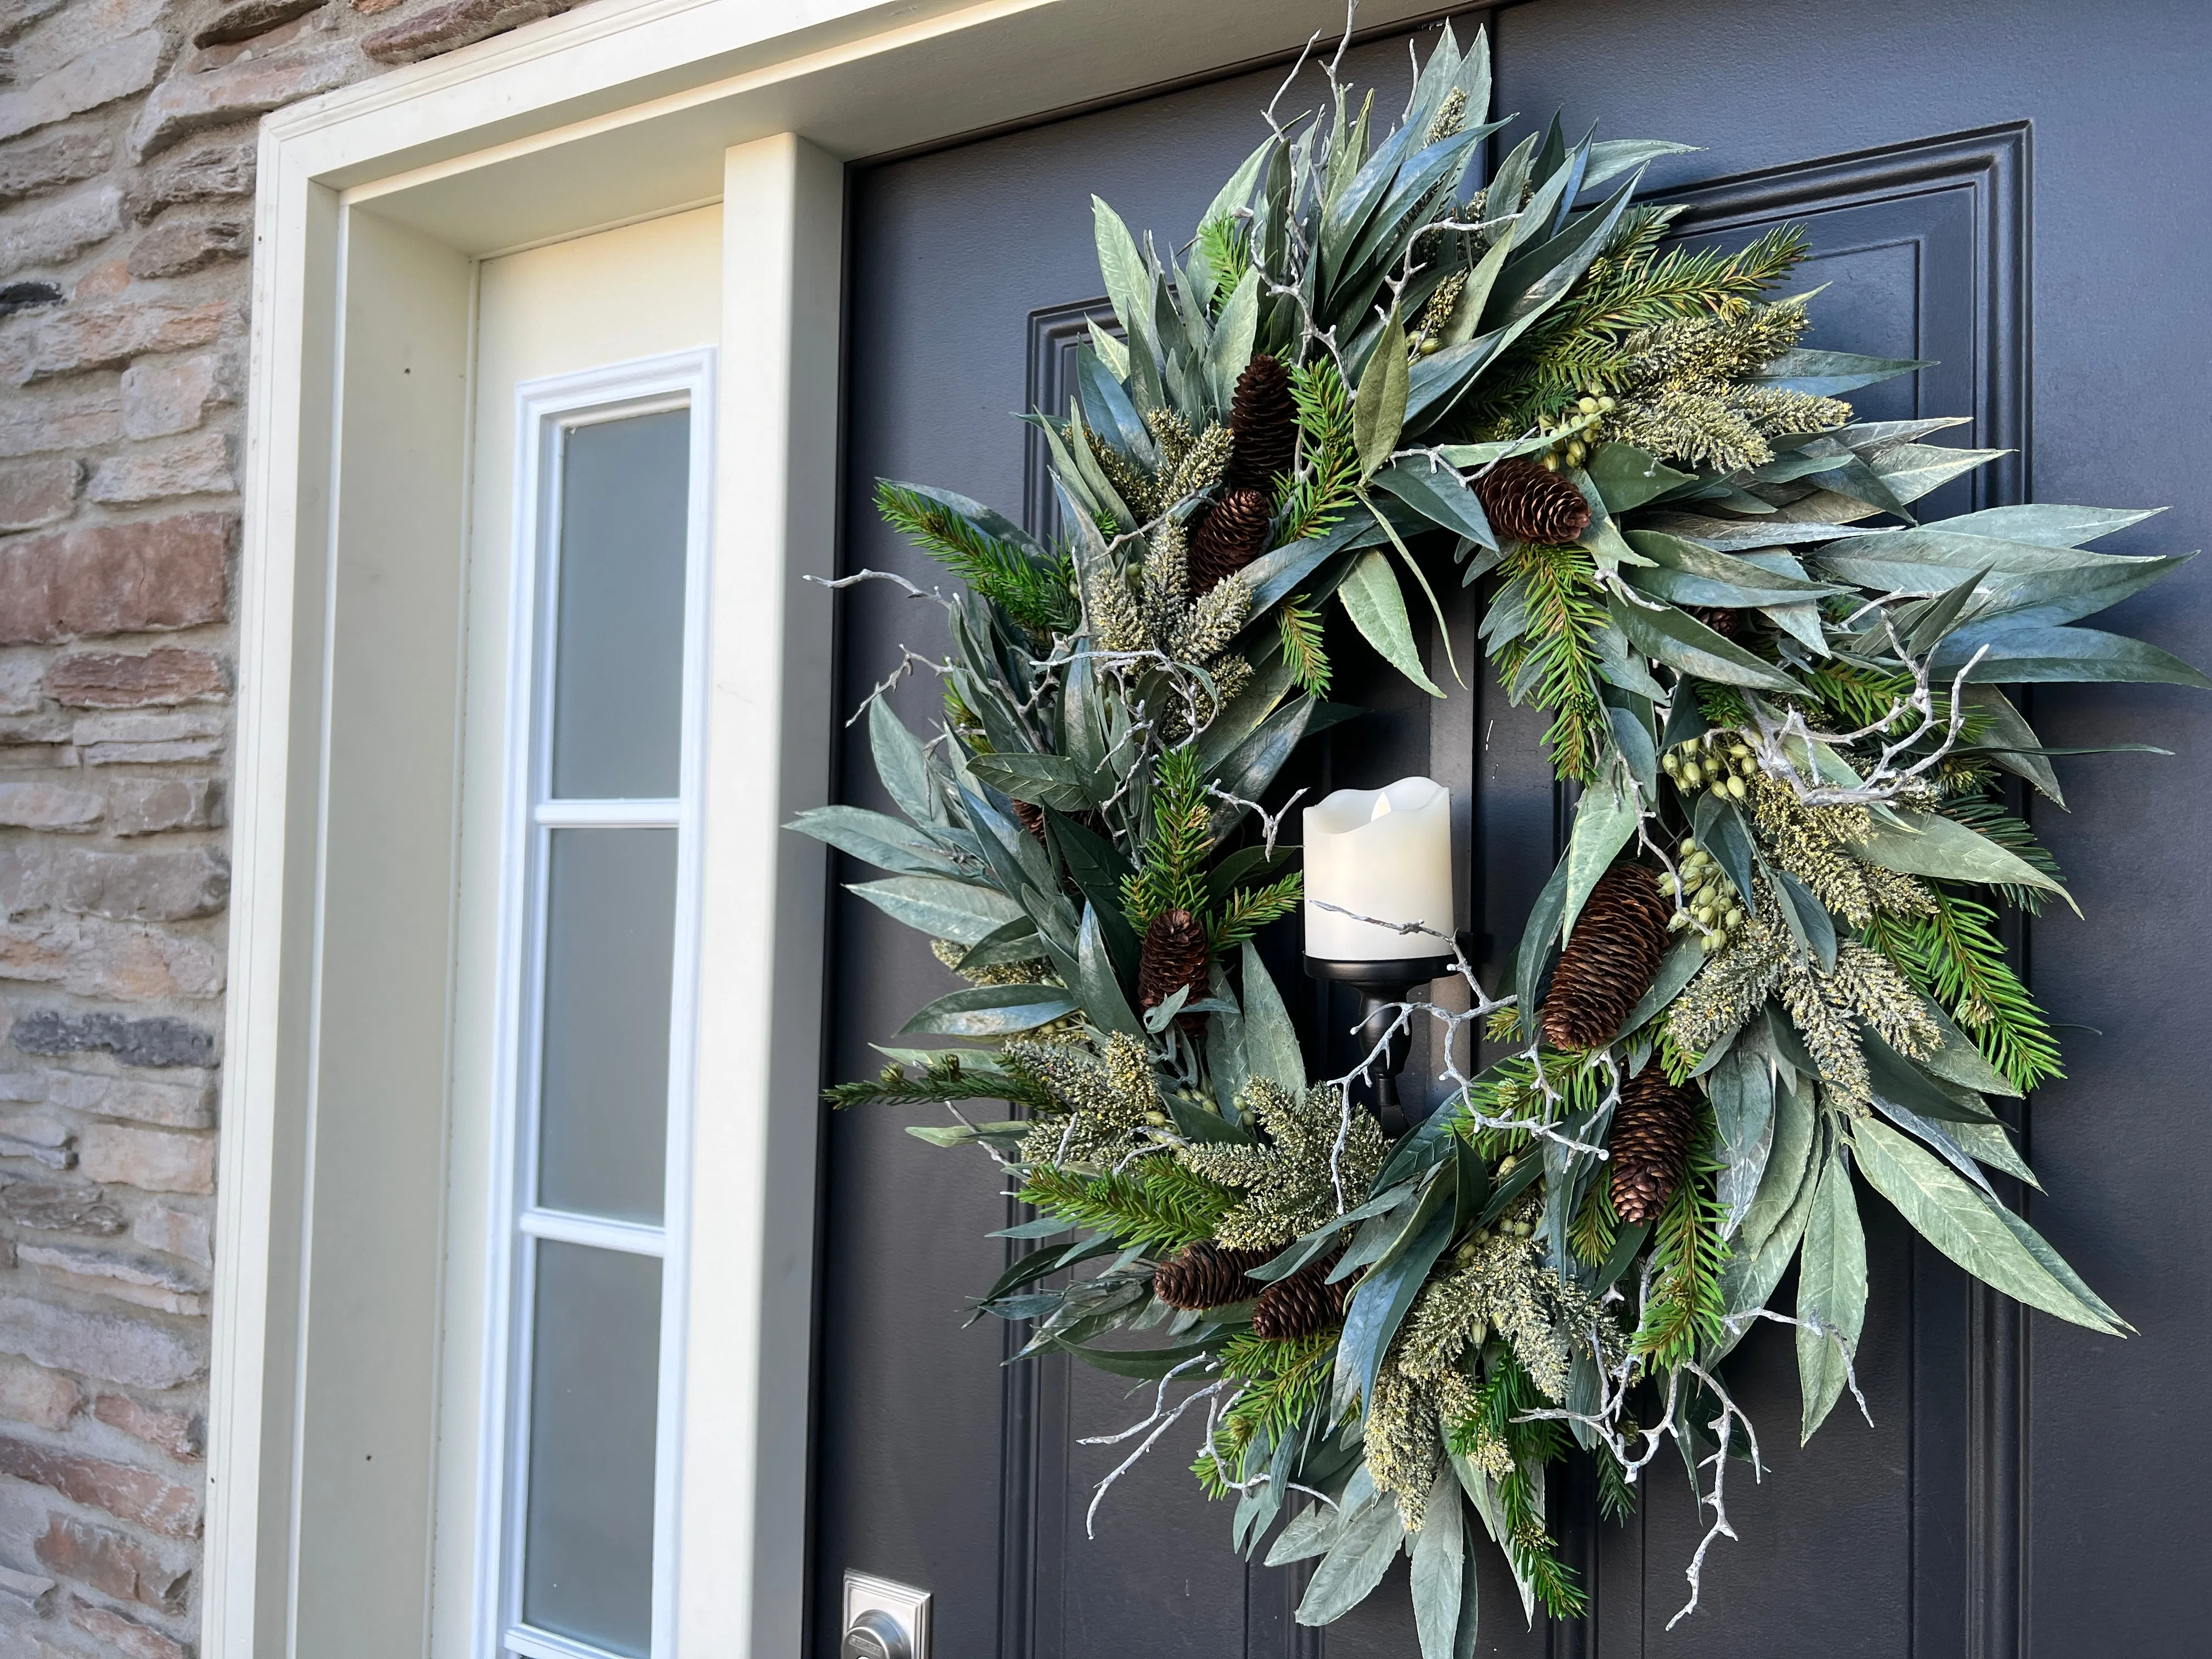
(579, 1499)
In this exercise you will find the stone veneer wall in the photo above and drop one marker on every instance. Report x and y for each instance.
(127, 218)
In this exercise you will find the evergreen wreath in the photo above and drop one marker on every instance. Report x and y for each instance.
(1771, 953)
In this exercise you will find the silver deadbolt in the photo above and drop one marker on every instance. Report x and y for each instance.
(883, 1619)
(876, 1635)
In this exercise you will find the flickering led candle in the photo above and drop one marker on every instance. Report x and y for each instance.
(1380, 853)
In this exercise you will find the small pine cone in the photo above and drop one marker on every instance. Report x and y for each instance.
(1610, 962)
(1723, 619)
(1300, 1305)
(1175, 956)
(1204, 1275)
(1527, 503)
(1030, 818)
(1264, 420)
(1233, 534)
(1651, 1131)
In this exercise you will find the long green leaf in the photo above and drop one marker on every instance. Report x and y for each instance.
(1933, 845)
(1378, 407)
(1372, 598)
(1040, 780)
(2022, 655)
(1439, 1568)
(1960, 1221)
(1684, 643)
(1831, 1292)
(1605, 819)
(878, 838)
(1355, 1564)
(990, 1011)
(1271, 1042)
(956, 910)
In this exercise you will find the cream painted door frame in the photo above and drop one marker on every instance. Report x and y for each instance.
(376, 205)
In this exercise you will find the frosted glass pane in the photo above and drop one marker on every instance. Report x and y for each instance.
(610, 953)
(595, 1376)
(619, 647)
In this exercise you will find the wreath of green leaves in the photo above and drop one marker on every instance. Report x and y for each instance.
(1780, 693)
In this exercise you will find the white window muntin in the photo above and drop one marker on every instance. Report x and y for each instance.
(547, 410)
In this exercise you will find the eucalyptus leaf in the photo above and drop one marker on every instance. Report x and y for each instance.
(1676, 968)
(1378, 407)
(901, 764)
(1439, 1568)
(1377, 1306)
(875, 837)
(1104, 1003)
(1533, 960)
(1372, 598)
(1933, 845)
(1440, 496)
(2026, 654)
(2049, 524)
(1832, 373)
(1354, 1565)
(959, 911)
(1964, 1223)
(1741, 1088)
(1040, 780)
(1831, 1292)
(1271, 1042)
(1605, 819)
(1314, 1532)
(990, 1010)
(1684, 643)
(1627, 476)
(1786, 1162)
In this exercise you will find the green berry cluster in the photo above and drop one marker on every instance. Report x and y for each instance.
(1704, 898)
(1712, 761)
(1571, 438)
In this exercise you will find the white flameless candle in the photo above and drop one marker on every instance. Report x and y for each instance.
(1381, 853)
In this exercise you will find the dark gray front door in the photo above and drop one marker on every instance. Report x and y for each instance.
(2013, 189)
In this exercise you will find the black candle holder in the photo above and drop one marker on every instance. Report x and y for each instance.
(1380, 985)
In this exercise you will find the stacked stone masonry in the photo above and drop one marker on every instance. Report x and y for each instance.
(127, 137)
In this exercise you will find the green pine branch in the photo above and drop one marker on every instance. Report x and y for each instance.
(1553, 662)
(1155, 1202)
(1300, 627)
(1251, 908)
(1328, 478)
(1172, 873)
(1283, 1381)
(1592, 340)
(1689, 1254)
(1991, 818)
(941, 1082)
(1506, 1398)
(1956, 957)
(1040, 596)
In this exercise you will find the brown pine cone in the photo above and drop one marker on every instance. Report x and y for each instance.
(1030, 818)
(1610, 962)
(1528, 504)
(1652, 1128)
(1263, 419)
(1300, 1305)
(1232, 535)
(1204, 1275)
(1175, 955)
(1722, 619)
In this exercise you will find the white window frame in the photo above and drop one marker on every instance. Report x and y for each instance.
(546, 410)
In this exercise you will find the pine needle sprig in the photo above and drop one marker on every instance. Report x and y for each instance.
(1039, 595)
(1689, 1254)
(1592, 340)
(1328, 473)
(1616, 1493)
(1226, 243)
(1156, 1203)
(1590, 1234)
(1553, 661)
(1859, 697)
(1284, 1381)
(1991, 818)
(1300, 627)
(941, 1082)
(1251, 908)
(1505, 1398)
(1956, 957)
(1172, 874)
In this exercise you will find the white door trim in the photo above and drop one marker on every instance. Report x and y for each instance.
(373, 204)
